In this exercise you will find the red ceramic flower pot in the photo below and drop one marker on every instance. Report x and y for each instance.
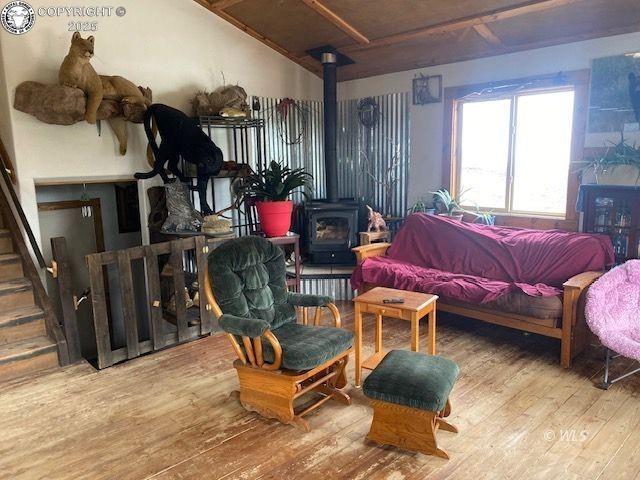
(275, 217)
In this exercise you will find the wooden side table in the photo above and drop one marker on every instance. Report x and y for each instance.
(369, 237)
(416, 306)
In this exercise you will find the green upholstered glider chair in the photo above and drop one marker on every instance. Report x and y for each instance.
(279, 359)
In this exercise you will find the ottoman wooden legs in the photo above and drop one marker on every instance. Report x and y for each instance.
(409, 428)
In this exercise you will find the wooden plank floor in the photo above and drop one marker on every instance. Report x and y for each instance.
(169, 416)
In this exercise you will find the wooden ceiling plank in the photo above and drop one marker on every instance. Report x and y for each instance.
(338, 21)
(344, 74)
(464, 34)
(222, 4)
(461, 23)
(204, 3)
(303, 62)
(489, 36)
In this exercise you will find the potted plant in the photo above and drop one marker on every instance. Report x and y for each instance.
(420, 206)
(484, 218)
(271, 188)
(619, 165)
(447, 205)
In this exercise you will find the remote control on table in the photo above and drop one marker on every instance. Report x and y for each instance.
(393, 300)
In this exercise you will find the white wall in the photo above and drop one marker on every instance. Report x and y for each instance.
(175, 47)
(427, 120)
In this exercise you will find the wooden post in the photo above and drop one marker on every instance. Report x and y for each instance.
(100, 317)
(378, 332)
(431, 347)
(415, 332)
(298, 263)
(154, 297)
(178, 284)
(202, 255)
(65, 282)
(358, 342)
(128, 304)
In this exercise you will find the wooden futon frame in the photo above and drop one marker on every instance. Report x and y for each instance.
(572, 333)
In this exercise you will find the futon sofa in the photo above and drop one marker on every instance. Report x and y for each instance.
(531, 280)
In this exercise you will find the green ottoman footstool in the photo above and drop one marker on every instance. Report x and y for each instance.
(409, 393)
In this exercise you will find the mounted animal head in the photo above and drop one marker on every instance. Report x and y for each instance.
(81, 47)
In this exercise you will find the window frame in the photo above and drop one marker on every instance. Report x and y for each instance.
(511, 160)
(455, 97)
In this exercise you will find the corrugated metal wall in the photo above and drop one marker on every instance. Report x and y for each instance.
(364, 154)
(370, 157)
(306, 120)
(336, 288)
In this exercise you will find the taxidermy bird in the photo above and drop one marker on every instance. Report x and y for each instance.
(634, 94)
(181, 137)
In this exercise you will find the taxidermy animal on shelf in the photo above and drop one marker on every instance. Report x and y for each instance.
(76, 71)
(634, 93)
(376, 222)
(181, 137)
(225, 97)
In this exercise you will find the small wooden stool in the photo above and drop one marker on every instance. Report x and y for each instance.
(369, 237)
(409, 393)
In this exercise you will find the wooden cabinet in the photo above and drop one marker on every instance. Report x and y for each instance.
(614, 211)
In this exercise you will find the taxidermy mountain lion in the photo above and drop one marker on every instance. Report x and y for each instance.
(76, 71)
(181, 137)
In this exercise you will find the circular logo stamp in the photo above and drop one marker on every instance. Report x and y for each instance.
(17, 17)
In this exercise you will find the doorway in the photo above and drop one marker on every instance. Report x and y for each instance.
(112, 223)
(80, 222)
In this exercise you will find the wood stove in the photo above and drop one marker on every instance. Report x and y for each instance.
(332, 224)
(332, 231)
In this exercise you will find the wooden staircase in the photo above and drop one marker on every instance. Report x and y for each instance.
(25, 346)
(31, 336)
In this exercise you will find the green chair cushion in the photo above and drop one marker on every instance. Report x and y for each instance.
(412, 379)
(243, 326)
(305, 347)
(306, 300)
(248, 277)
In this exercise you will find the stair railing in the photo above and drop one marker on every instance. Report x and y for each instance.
(52, 325)
(9, 176)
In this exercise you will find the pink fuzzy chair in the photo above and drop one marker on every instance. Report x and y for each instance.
(613, 314)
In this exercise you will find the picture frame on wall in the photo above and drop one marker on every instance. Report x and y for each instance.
(614, 103)
(427, 89)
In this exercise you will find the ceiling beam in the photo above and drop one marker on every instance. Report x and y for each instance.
(338, 21)
(359, 71)
(461, 23)
(489, 36)
(205, 3)
(222, 4)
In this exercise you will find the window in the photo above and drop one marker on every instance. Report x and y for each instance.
(513, 151)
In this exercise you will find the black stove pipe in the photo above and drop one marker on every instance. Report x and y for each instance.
(329, 73)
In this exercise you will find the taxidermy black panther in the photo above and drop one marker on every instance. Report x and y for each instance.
(634, 93)
(181, 137)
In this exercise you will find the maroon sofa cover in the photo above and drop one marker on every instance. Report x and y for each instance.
(476, 264)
